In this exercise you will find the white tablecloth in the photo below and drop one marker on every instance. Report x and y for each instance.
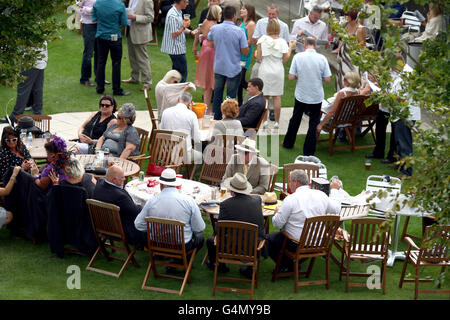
(385, 204)
(140, 192)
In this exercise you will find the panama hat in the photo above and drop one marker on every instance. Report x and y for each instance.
(248, 145)
(270, 198)
(169, 178)
(238, 183)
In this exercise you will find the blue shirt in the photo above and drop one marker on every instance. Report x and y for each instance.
(310, 68)
(171, 204)
(228, 39)
(110, 15)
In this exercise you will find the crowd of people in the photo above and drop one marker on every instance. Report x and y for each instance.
(225, 56)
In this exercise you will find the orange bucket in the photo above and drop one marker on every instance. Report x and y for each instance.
(199, 109)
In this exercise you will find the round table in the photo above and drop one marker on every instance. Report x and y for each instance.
(140, 192)
(129, 167)
(37, 149)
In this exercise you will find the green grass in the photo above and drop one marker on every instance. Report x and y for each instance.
(32, 272)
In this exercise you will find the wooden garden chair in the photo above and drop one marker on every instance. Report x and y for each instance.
(156, 9)
(344, 118)
(260, 122)
(108, 229)
(315, 241)
(143, 136)
(215, 163)
(153, 119)
(366, 118)
(42, 121)
(228, 140)
(363, 243)
(433, 252)
(311, 169)
(166, 239)
(168, 150)
(272, 178)
(237, 243)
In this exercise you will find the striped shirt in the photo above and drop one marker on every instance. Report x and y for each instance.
(174, 22)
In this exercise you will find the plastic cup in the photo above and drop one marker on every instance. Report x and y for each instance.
(186, 17)
(368, 164)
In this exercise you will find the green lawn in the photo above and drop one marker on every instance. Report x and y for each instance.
(32, 272)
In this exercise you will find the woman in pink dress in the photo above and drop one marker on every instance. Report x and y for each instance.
(204, 75)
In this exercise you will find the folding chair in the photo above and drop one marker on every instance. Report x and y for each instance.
(237, 243)
(311, 169)
(382, 183)
(365, 244)
(42, 121)
(315, 241)
(166, 239)
(432, 253)
(108, 229)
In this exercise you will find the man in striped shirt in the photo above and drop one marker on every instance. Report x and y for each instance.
(174, 40)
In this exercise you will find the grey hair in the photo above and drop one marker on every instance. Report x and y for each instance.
(299, 176)
(74, 169)
(317, 9)
(186, 97)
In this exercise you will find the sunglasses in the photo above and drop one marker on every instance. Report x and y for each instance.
(102, 105)
(11, 140)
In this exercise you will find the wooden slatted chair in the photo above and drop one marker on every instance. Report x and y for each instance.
(311, 169)
(42, 121)
(168, 150)
(143, 136)
(315, 241)
(366, 118)
(228, 140)
(248, 130)
(154, 120)
(365, 244)
(108, 229)
(272, 178)
(433, 252)
(156, 9)
(237, 243)
(347, 213)
(166, 239)
(344, 118)
(215, 160)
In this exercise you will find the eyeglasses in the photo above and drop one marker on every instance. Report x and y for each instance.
(102, 105)
(11, 140)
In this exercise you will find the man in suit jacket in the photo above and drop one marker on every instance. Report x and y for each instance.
(247, 162)
(111, 190)
(240, 207)
(139, 32)
(250, 112)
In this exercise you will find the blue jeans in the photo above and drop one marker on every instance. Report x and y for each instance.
(219, 85)
(90, 50)
(179, 63)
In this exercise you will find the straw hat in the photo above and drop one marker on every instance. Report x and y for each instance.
(169, 178)
(248, 145)
(238, 183)
(270, 198)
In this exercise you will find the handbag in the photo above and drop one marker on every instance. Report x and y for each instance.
(154, 169)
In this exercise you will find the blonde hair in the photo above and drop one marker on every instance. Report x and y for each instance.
(273, 27)
(214, 13)
(172, 74)
(230, 108)
(353, 79)
(435, 10)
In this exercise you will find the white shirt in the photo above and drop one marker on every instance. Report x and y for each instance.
(318, 30)
(181, 118)
(41, 63)
(303, 203)
(414, 109)
(261, 29)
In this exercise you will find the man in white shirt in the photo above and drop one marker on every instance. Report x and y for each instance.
(181, 118)
(310, 26)
(290, 217)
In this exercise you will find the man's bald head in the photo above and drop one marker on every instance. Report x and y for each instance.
(115, 175)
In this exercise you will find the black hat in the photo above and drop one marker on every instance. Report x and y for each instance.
(27, 123)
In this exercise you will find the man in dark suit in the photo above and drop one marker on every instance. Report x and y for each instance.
(111, 190)
(240, 207)
(250, 112)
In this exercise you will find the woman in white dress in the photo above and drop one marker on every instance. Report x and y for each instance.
(273, 51)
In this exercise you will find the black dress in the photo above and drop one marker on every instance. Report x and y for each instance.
(86, 183)
(9, 159)
(94, 129)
